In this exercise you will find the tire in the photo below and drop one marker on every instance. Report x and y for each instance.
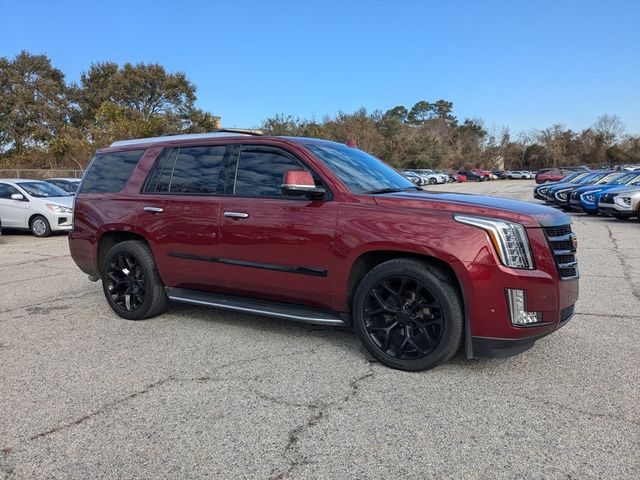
(39, 226)
(432, 181)
(398, 298)
(129, 270)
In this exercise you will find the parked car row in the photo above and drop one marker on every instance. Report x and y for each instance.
(608, 192)
(426, 177)
(36, 205)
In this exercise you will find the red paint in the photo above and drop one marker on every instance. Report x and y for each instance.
(329, 235)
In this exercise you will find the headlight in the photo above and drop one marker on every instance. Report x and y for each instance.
(509, 239)
(589, 197)
(59, 208)
(562, 194)
(624, 201)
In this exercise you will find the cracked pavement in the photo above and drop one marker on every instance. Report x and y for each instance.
(200, 392)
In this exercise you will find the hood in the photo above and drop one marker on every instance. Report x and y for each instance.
(528, 214)
(625, 189)
(62, 201)
(558, 185)
(594, 188)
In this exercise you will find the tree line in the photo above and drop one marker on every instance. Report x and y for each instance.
(47, 122)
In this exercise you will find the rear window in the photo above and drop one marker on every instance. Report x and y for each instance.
(109, 172)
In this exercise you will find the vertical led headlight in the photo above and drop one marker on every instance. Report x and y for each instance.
(509, 239)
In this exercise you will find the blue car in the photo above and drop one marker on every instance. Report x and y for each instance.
(585, 199)
(558, 195)
(540, 191)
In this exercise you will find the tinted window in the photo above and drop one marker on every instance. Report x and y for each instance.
(7, 190)
(260, 173)
(109, 172)
(192, 170)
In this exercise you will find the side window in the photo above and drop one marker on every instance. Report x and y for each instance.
(260, 172)
(187, 170)
(110, 172)
(7, 190)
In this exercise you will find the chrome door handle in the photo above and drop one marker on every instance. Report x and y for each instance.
(236, 214)
(153, 209)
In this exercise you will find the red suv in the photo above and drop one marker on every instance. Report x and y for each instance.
(315, 231)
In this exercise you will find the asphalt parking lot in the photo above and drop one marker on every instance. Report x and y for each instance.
(200, 392)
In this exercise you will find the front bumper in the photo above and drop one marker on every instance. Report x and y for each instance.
(491, 331)
(60, 221)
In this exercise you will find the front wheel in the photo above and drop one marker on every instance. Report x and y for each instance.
(40, 226)
(131, 282)
(408, 315)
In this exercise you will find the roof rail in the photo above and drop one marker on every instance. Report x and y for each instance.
(220, 132)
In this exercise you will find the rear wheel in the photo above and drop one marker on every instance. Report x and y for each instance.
(39, 226)
(408, 315)
(432, 181)
(131, 283)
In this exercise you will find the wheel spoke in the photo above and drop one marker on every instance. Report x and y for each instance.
(403, 317)
(386, 307)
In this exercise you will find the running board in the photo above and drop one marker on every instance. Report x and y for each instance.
(286, 311)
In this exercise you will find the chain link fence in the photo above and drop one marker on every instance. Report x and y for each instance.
(36, 173)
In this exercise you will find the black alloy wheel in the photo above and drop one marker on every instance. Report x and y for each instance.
(126, 282)
(408, 314)
(131, 282)
(403, 318)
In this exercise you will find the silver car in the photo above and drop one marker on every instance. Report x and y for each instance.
(622, 203)
(35, 205)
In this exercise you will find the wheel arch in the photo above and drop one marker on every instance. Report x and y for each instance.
(370, 259)
(113, 237)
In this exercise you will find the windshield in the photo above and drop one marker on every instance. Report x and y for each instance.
(573, 177)
(610, 178)
(593, 177)
(42, 189)
(623, 179)
(69, 186)
(358, 170)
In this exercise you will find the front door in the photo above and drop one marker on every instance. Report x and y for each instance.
(13, 213)
(274, 246)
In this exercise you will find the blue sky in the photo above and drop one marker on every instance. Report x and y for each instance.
(522, 64)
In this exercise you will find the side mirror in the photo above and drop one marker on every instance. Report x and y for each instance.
(17, 196)
(301, 183)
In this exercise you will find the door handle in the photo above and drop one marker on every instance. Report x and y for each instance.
(236, 214)
(153, 209)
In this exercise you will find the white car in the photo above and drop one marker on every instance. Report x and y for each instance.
(35, 205)
(518, 174)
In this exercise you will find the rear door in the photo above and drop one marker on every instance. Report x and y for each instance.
(12, 212)
(179, 214)
(275, 246)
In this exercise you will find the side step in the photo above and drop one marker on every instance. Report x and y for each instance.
(286, 311)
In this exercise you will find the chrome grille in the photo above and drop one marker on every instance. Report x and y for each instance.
(560, 239)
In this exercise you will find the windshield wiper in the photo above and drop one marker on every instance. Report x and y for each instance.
(390, 190)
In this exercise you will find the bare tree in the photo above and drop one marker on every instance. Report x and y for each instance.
(610, 127)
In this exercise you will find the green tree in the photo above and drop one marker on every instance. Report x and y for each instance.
(34, 102)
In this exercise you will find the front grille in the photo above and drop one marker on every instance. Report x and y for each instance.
(607, 198)
(560, 239)
(575, 196)
(567, 313)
